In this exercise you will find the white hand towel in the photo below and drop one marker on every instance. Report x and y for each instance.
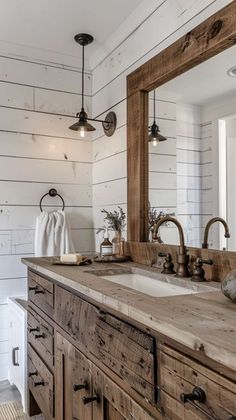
(52, 235)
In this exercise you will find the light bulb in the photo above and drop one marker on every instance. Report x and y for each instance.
(154, 142)
(82, 132)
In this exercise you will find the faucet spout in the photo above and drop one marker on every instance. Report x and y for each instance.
(183, 258)
(207, 228)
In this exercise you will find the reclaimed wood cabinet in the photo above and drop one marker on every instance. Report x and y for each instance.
(85, 363)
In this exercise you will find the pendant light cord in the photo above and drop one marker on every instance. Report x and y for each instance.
(154, 105)
(83, 77)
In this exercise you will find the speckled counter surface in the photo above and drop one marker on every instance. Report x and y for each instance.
(202, 322)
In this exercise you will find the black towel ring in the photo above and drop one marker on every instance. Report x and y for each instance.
(53, 193)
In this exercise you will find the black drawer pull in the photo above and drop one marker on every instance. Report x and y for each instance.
(33, 374)
(39, 336)
(197, 394)
(78, 387)
(88, 400)
(39, 292)
(41, 383)
(14, 358)
(33, 288)
(33, 329)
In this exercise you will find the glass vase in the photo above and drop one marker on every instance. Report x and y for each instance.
(118, 245)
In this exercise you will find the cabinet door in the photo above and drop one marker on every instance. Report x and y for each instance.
(114, 403)
(73, 382)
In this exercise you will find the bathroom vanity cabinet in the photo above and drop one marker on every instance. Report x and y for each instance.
(87, 361)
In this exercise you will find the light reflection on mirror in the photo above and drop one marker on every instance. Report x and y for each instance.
(193, 173)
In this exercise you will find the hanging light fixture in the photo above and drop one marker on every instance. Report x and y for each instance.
(154, 131)
(82, 125)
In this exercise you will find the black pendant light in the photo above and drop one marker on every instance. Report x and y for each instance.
(82, 125)
(154, 131)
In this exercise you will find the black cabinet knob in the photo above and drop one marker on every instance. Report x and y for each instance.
(41, 383)
(197, 394)
(78, 387)
(88, 400)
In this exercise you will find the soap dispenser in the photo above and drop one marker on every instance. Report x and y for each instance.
(106, 245)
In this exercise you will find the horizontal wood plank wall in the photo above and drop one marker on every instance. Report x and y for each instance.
(37, 152)
(109, 92)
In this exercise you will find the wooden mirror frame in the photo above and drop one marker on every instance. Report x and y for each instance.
(214, 35)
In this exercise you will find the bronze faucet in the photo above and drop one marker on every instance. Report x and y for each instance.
(206, 232)
(182, 258)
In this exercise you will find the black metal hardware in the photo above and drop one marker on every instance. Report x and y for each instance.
(88, 400)
(78, 387)
(14, 359)
(168, 266)
(41, 383)
(33, 374)
(53, 193)
(39, 292)
(33, 329)
(198, 273)
(40, 335)
(33, 288)
(197, 394)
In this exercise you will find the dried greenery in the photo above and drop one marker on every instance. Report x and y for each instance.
(154, 216)
(115, 220)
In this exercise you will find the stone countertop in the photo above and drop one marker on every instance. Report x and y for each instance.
(203, 322)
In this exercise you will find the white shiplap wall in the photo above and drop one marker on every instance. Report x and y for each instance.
(37, 152)
(170, 20)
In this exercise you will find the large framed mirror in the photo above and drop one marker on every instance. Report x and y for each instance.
(189, 91)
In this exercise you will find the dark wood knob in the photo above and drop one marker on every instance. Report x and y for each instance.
(197, 394)
(88, 400)
(78, 387)
(41, 383)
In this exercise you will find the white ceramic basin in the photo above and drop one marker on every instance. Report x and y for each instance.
(158, 287)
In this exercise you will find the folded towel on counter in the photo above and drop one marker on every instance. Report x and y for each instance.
(52, 234)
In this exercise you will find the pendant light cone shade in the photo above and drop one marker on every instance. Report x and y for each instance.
(82, 125)
(154, 132)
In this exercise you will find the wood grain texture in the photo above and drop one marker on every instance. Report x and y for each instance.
(42, 339)
(125, 350)
(209, 38)
(180, 374)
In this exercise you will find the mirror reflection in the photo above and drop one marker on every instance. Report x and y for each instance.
(192, 149)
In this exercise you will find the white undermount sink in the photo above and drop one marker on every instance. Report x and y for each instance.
(156, 284)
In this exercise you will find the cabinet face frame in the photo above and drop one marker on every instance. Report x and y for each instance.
(211, 37)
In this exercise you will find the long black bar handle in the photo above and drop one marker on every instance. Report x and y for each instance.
(15, 361)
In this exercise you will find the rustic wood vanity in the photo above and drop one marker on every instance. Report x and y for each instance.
(97, 350)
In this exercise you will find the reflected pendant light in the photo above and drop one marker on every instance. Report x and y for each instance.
(82, 125)
(154, 131)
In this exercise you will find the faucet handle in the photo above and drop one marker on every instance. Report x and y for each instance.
(198, 273)
(201, 261)
(168, 266)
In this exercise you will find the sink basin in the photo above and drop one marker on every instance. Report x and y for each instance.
(149, 286)
(153, 283)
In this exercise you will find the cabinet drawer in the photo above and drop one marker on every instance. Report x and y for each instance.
(41, 383)
(41, 337)
(41, 293)
(124, 349)
(180, 374)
